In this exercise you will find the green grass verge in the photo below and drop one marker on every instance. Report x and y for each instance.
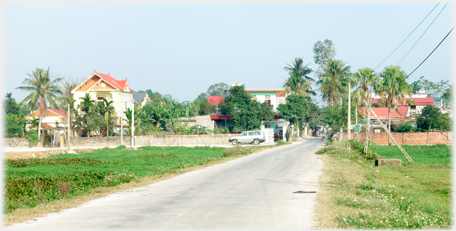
(432, 154)
(31, 182)
(414, 195)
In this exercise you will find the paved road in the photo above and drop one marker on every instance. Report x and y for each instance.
(253, 192)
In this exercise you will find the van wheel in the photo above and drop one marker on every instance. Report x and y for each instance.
(256, 141)
(234, 142)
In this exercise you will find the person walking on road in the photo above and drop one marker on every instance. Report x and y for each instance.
(287, 135)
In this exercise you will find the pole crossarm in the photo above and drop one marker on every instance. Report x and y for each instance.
(391, 136)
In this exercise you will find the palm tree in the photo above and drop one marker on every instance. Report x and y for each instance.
(333, 80)
(87, 106)
(367, 80)
(394, 89)
(66, 93)
(299, 81)
(44, 90)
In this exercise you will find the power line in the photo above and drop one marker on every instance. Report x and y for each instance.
(407, 36)
(430, 53)
(422, 34)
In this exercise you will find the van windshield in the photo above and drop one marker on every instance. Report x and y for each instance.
(244, 134)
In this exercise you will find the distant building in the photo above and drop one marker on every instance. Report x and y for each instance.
(55, 118)
(141, 98)
(100, 86)
(273, 97)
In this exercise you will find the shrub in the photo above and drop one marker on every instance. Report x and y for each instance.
(32, 136)
(121, 147)
(405, 127)
(236, 151)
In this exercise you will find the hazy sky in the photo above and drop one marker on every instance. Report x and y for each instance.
(181, 49)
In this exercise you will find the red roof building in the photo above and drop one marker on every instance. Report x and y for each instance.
(382, 113)
(99, 86)
(418, 101)
(214, 99)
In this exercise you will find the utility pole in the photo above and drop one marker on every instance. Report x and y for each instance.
(69, 132)
(349, 114)
(341, 128)
(133, 124)
(121, 123)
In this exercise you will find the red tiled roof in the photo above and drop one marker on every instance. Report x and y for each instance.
(118, 84)
(379, 111)
(403, 110)
(214, 99)
(46, 125)
(418, 101)
(268, 90)
(58, 111)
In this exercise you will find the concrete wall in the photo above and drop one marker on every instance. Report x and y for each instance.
(16, 143)
(381, 138)
(199, 120)
(152, 140)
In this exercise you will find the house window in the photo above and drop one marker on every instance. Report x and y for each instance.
(100, 100)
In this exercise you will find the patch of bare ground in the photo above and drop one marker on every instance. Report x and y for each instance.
(24, 214)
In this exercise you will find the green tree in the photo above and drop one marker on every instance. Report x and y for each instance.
(10, 104)
(65, 89)
(295, 109)
(333, 80)
(219, 89)
(432, 118)
(44, 91)
(394, 89)
(247, 113)
(299, 80)
(323, 51)
(366, 80)
(448, 94)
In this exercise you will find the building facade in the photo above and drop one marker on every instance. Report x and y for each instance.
(272, 97)
(99, 86)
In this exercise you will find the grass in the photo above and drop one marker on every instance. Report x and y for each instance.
(432, 154)
(356, 194)
(34, 187)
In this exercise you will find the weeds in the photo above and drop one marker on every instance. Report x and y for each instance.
(355, 194)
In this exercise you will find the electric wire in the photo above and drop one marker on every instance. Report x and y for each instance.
(422, 35)
(407, 36)
(431, 52)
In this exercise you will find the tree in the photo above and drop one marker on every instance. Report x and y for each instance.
(299, 81)
(44, 90)
(247, 113)
(432, 118)
(394, 89)
(65, 89)
(366, 79)
(295, 109)
(10, 104)
(432, 89)
(219, 89)
(333, 80)
(323, 51)
(448, 94)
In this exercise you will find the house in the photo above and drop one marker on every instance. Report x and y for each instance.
(54, 118)
(415, 109)
(100, 86)
(402, 113)
(141, 98)
(273, 97)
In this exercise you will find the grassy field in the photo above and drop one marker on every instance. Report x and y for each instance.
(31, 183)
(356, 194)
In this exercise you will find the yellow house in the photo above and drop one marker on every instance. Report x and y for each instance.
(100, 86)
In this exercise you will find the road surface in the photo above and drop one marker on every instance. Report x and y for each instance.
(253, 192)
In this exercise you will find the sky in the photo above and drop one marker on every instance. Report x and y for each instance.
(181, 49)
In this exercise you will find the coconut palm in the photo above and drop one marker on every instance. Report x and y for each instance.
(333, 80)
(44, 91)
(66, 88)
(299, 81)
(394, 89)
